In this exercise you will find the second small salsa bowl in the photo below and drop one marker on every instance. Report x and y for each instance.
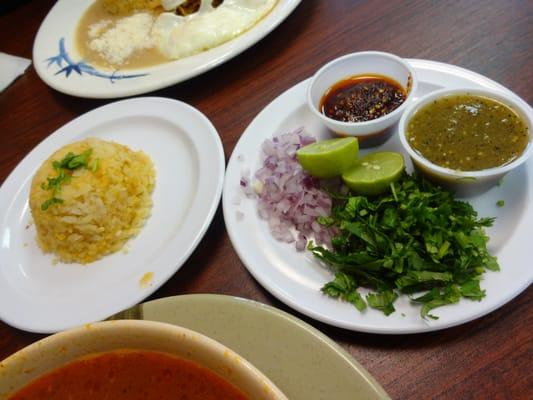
(464, 181)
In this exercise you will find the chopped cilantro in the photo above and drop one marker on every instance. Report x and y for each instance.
(345, 287)
(95, 165)
(500, 203)
(49, 202)
(417, 238)
(64, 170)
(72, 161)
(382, 301)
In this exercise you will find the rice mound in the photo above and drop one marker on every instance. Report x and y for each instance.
(101, 209)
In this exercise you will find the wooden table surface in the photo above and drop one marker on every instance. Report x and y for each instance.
(490, 358)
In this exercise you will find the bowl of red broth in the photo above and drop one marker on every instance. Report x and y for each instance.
(362, 94)
(467, 139)
(131, 360)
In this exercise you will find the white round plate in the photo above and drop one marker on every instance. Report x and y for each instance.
(59, 64)
(38, 295)
(296, 278)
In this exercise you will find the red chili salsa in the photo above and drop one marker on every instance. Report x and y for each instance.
(362, 98)
(132, 375)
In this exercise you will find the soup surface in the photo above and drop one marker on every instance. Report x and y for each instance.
(132, 375)
(467, 133)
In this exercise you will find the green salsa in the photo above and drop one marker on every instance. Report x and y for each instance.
(467, 133)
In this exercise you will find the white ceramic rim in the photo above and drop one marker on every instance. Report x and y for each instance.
(391, 115)
(494, 94)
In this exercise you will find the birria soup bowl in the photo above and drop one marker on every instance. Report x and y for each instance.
(83, 351)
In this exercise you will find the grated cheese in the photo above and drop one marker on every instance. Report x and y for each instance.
(126, 36)
(96, 29)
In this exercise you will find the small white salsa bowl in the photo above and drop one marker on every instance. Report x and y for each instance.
(378, 63)
(465, 182)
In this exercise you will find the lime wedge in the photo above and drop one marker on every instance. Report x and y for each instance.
(374, 173)
(329, 158)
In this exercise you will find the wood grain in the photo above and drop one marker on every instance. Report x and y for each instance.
(490, 358)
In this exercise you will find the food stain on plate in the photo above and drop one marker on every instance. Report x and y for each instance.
(146, 280)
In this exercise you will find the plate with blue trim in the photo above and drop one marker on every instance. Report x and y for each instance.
(59, 62)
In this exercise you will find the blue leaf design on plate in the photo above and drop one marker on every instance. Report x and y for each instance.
(82, 67)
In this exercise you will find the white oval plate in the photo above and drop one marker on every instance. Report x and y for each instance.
(296, 278)
(38, 296)
(60, 66)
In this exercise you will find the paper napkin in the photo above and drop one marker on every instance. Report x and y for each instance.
(10, 68)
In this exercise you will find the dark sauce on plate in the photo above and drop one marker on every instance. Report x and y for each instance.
(362, 98)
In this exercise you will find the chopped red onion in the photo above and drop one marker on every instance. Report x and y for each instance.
(289, 198)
